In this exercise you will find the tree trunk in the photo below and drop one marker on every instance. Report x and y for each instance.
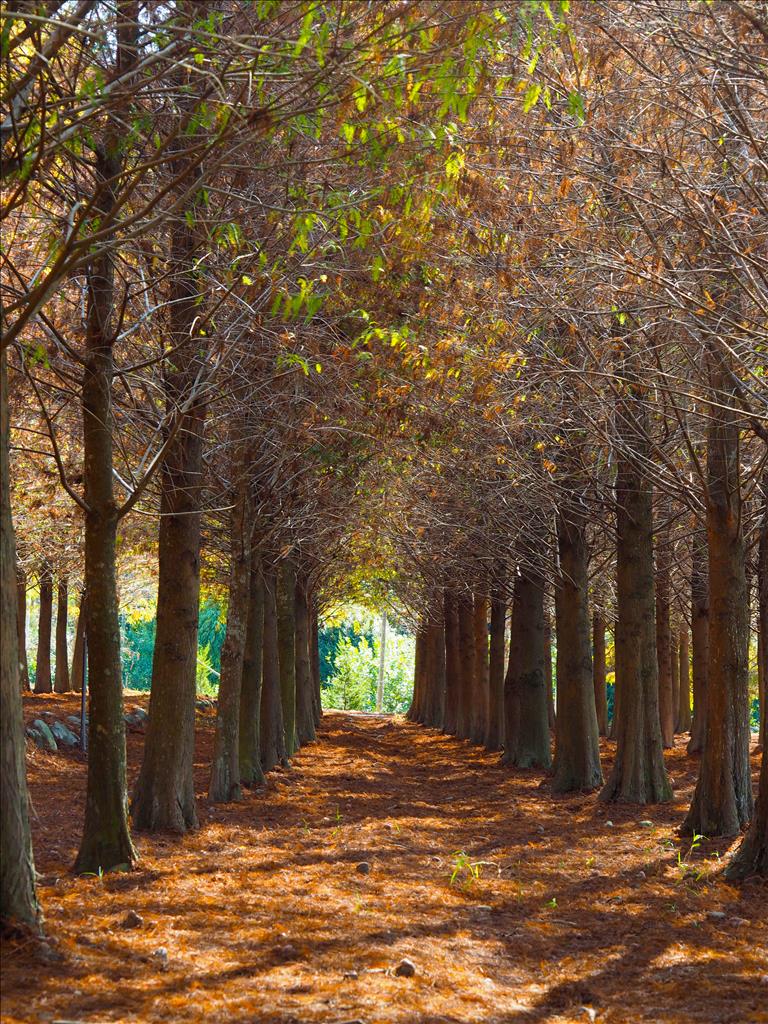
(577, 745)
(699, 642)
(44, 624)
(452, 665)
(435, 708)
(467, 695)
(526, 721)
(76, 674)
(106, 841)
(225, 770)
(684, 703)
(61, 680)
(286, 635)
(164, 797)
(551, 711)
(638, 774)
(414, 713)
(722, 801)
(599, 672)
(675, 655)
(18, 901)
(251, 773)
(479, 719)
(21, 620)
(272, 731)
(314, 661)
(494, 735)
(752, 856)
(305, 721)
(664, 638)
(762, 618)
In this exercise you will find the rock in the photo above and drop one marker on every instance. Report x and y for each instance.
(73, 721)
(132, 920)
(352, 975)
(716, 915)
(161, 954)
(609, 824)
(642, 876)
(136, 719)
(738, 922)
(42, 735)
(64, 736)
(645, 824)
(363, 868)
(406, 968)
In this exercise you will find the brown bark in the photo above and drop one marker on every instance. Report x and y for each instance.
(480, 697)
(667, 706)
(271, 719)
(435, 703)
(452, 665)
(526, 723)
(494, 735)
(762, 617)
(305, 722)
(76, 675)
(225, 770)
(684, 672)
(314, 661)
(106, 841)
(722, 801)
(415, 712)
(21, 621)
(164, 797)
(599, 671)
(551, 710)
(577, 748)
(18, 900)
(467, 695)
(675, 656)
(638, 774)
(61, 682)
(251, 773)
(286, 635)
(699, 642)
(751, 859)
(44, 624)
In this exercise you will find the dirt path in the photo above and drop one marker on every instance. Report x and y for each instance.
(560, 910)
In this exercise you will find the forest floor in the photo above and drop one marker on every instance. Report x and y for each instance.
(514, 905)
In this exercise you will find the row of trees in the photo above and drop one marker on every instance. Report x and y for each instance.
(446, 299)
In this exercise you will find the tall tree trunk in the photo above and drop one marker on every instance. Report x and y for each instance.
(452, 665)
(577, 745)
(106, 841)
(435, 708)
(551, 712)
(21, 620)
(675, 655)
(272, 731)
(664, 636)
(638, 774)
(286, 635)
(722, 801)
(415, 713)
(76, 674)
(61, 680)
(225, 770)
(526, 722)
(599, 671)
(699, 641)
(479, 719)
(684, 703)
(18, 901)
(467, 694)
(314, 661)
(251, 773)
(494, 735)
(305, 722)
(762, 617)
(751, 859)
(44, 624)
(164, 797)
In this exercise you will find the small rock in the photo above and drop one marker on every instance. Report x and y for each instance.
(642, 876)
(161, 954)
(42, 735)
(716, 915)
(484, 908)
(738, 922)
(405, 969)
(74, 721)
(609, 824)
(645, 824)
(363, 868)
(133, 920)
(64, 736)
(352, 975)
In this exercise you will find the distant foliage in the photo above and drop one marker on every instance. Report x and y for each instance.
(352, 686)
